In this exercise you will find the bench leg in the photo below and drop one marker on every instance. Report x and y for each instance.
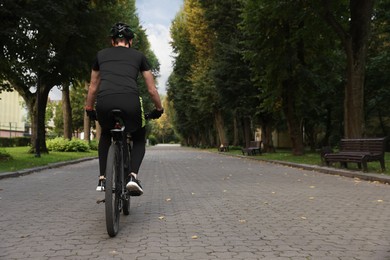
(382, 165)
(344, 165)
(365, 168)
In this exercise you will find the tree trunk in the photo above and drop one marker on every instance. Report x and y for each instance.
(87, 127)
(236, 140)
(67, 112)
(247, 130)
(266, 138)
(293, 122)
(39, 135)
(355, 43)
(87, 121)
(219, 125)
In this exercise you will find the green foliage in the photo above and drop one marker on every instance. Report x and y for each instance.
(4, 155)
(60, 144)
(77, 99)
(49, 43)
(94, 145)
(23, 159)
(278, 64)
(152, 140)
(15, 141)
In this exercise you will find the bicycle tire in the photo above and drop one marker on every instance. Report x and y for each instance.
(126, 206)
(112, 193)
(126, 200)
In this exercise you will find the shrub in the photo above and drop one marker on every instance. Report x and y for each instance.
(60, 144)
(14, 141)
(152, 140)
(57, 144)
(4, 155)
(93, 145)
(77, 145)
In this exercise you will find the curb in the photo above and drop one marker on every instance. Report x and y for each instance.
(4, 175)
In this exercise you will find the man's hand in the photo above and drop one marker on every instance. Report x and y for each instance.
(154, 114)
(91, 114)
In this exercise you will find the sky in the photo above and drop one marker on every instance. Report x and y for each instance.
(155, 17)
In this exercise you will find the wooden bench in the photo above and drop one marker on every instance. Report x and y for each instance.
(223, 147)
(253, 148)
(360, 151)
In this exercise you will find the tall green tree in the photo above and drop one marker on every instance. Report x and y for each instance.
(202, 37)
(48, 43)
(180, 93)
(229, 70)
(354, 33)
(377, 88)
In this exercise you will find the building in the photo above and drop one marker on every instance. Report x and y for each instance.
(12, 115)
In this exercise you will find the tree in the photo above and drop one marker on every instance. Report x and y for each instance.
(186, 119)
(49, 43)
(37, 55)
(230, 72)
(377, 88)
(354, 33)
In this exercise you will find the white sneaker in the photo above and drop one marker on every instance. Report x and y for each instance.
(101, 184)
(134, 187)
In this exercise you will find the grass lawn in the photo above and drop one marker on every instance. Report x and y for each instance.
(22, 159)
(312, 158)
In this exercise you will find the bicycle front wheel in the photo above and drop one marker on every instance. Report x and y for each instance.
(113, 190)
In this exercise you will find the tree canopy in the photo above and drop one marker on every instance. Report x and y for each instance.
(294, 66)
(49, 43)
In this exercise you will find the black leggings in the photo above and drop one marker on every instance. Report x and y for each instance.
(131, 106)
(137, 153)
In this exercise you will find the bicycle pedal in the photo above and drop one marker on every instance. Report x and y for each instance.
(100, 201)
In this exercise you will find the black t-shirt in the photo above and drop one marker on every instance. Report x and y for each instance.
(119, 69)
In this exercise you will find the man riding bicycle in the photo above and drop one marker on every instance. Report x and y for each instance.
(114, 86)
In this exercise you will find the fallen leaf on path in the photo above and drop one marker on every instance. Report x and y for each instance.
(194, 237)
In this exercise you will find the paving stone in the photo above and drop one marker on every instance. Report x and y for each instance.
(197, 205)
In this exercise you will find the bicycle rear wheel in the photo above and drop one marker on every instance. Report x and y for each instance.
(126, 199)
(113, 190)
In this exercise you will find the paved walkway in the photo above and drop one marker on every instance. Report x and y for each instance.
(197, 205)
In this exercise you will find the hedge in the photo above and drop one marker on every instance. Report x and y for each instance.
(15, 141)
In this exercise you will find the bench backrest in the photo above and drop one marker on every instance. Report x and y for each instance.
(372, 145)
(255, 144)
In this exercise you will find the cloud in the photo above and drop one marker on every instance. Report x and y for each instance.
(159, 38)
(156, 17)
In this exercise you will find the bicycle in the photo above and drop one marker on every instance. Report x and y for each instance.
(117, 197)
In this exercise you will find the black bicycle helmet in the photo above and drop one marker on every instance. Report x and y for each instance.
(121, 31)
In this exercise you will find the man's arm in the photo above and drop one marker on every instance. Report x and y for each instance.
(93, 89)
(149, 81)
